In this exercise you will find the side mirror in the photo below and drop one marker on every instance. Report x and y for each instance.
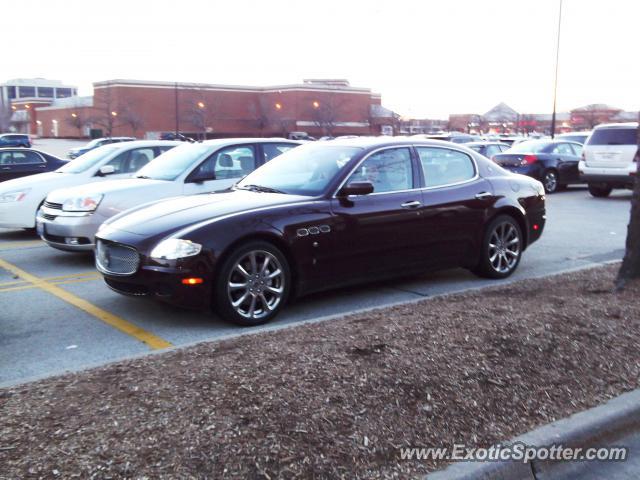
(106, 170)
(356, 188)
(201, 177)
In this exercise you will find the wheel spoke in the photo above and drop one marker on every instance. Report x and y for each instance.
(274, 274)
(254, 262)
(252, 307)
(265, 264)
(263, 299)
(240, 301)
(240, 269)
(237, 286)
(274, 290)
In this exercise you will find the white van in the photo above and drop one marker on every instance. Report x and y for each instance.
(607, 158)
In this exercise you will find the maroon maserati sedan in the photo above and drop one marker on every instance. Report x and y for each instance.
(321, 216)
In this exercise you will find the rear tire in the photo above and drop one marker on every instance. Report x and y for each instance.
(501, 248)
(253, 284)
(600, 190)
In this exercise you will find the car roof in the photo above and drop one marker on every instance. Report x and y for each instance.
(617, 125)
(384, 141)
(143, 143)
(487, 142)
(221, 142)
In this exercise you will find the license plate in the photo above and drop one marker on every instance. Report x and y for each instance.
(40, 228)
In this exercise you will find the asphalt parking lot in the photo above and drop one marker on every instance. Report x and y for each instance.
(57, 315)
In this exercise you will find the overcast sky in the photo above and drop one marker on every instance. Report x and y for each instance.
(427, 58)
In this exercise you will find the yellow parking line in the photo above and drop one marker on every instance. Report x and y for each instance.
(61, 282)
(49, 279)
(26, 243)
(110, 319)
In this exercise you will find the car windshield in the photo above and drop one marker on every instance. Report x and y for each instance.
(171, 164)
(530, 146)
(305, 170)
(88, 160)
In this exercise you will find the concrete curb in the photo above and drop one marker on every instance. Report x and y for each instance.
(596, 427)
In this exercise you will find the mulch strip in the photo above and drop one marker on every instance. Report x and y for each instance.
(337, 399)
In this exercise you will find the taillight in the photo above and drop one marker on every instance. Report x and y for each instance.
(529, 159)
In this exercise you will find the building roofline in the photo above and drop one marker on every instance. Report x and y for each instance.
(244, 88)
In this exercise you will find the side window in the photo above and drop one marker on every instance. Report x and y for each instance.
(492, 150)
(577, 149)
(26, 158)
(138, 158)
(442, 166)
(6, 158)
(504, 148)
(164, 148)
(229, 162)
(272, 150)
(119, 162)
(388, 170)
(562, 149)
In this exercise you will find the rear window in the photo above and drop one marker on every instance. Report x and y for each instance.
(614, 136)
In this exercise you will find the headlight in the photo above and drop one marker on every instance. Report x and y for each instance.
(82, 204)
(174, 248)
(14, 196)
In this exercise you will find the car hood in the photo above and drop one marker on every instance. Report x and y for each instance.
(38, 180)
(180, 212)
(108, 187)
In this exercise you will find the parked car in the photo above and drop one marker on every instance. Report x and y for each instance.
(21, 198)
(579, 137)
(176, 136)
(15, 140)
(20, 162)
(98, 142)
(70, 217)
(321, 216)
(607, 158)
(488, 149)
(553, 162)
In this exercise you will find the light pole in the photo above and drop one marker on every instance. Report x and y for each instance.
(175, 89)
(555, 83)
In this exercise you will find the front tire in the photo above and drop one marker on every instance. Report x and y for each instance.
(501, 248)
(253, 284)
(600, 190)
(550, 181)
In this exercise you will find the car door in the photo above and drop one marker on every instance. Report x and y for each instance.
(379, 233)
(566, 162)
(455, 201)
(20, 163)
(221, 169)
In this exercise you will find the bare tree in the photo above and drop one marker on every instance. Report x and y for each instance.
(325, 114)
(630, 267)
(132, 119)
(201, 113)
(258, 113)
(105, 113)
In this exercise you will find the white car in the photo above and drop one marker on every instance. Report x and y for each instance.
(21, 198)
(70, 218)
(607, 158)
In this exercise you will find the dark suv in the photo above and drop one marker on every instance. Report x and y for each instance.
(98, 142)
(15, 140)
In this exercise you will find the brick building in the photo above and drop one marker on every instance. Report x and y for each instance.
(147, 109)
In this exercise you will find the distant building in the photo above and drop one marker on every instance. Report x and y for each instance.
(22, 95)
(147, 109)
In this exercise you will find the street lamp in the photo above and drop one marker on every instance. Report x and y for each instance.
(278, 106)
(74, 115)
(555, 82)
(316, 104)
(200, 105)
(114, 114)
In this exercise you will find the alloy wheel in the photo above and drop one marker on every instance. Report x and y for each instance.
(550, 182)
(504, 247)
(256, 284)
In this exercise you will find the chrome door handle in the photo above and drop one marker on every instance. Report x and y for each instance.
(411, 204)
(483, 195)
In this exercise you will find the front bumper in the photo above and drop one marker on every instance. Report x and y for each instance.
(164, 282)
(72, 234)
